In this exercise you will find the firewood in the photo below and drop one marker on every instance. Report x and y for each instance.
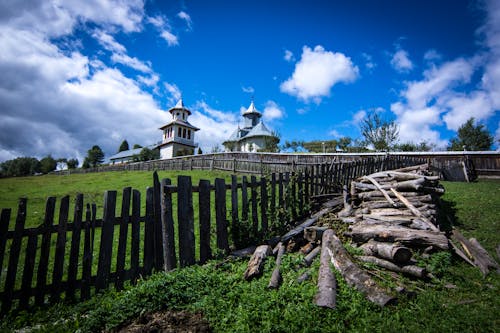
(354, 276)
(307, 248)
(327, 285)
(347, 205)
(408, 269)
(256, 263)
(416, 168)
(361, 233)
(479, 256)
(314, 234)
(400, 176)
(485, 256)
(413, 209)
(310, 257)
(390, 251)
(411, 196)
(276, 279)
(461, 254)
(303, 277)
(377, 185)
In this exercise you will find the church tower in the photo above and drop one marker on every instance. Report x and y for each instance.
(178, 135)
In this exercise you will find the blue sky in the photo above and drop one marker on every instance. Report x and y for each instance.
(80, 73)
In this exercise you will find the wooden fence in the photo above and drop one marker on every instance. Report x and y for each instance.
(89, 254)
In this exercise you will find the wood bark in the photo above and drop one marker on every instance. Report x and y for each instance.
(407, 269)
(310, 257)
(314, 234)
(327, 285)
(479, 251)
(390, 251)
(384, 192)
(479, 256)
(356, 277)
(276, 279)
(361, 233)
(256, 263)
(414, 210)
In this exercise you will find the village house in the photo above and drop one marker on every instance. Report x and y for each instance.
(253, 137)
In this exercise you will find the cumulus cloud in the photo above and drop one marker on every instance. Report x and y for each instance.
(185, 16)
(369, 63)
(272, 111)
(248, 90)
(174, 93)
(162, 25)
(358, 117)
(289, 56)
(170, 38)
(401, 61)
(317, 72)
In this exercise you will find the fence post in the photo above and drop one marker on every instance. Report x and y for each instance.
(75, 246)
(204, 215)
(29, 265)
(4, 227)
(263, 205)
(158, 238)
(244, 200)
(255, 218)
(220, 215)
(122, 239)
(60, 249)
(149, 232)
(88, 249)
(167, 222)
(106, 247)
(185, 220)
(235, 223)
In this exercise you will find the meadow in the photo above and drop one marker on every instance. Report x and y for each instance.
(459, 299)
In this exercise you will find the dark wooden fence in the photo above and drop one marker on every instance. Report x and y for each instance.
(74, 259)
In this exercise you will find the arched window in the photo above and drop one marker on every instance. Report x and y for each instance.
(179, 132)
(184, 133)
(189, 134)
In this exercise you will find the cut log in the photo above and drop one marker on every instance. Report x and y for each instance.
(479, 256)
(310, 257)
(390, 251)
(461, 254)
(307, 248)
(356, 277)
(408, 185)
(275, 281)
(362, 233)
(479, 251)
(413, 197)
(414, 210)
(376, 204)
(314, 234)
(401, 176)
(256, 263)
(246, 252)
(303, 277)
(347, 205)
(408, 269)
(327, 285)
(377, 185)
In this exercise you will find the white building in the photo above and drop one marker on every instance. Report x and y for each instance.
(253, 137)
(178, 135)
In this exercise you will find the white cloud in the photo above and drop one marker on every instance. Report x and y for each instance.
(369, 63)
(432, 55)
(249, 89)
(174, 93)
(185, 16)
(170, 38)
(108, 42)
(335, 134)
(131, 62)
(401, 61)
(150, 81)
(317, 72)
(462, 107)
(272, 111)
(358, 117)
(497, 137)
(289, 56)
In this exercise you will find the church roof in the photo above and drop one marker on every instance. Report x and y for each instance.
(130, 152)
(251, 109)
(237, 134)
(180, 122)
(179, 106)
(259, 130)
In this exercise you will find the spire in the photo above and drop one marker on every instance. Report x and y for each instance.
(251, 108)
(180, 104)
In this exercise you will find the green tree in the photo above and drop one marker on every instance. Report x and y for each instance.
(136, 146)
(95, 156)
(471, 137)
(316, 146)
(48, 164)
(293, 145)
(147, 154)
(72, 163)
(382, 134)
(344, 143)
(199, 151)
(21, 166)
(270, 144)
(123, 146)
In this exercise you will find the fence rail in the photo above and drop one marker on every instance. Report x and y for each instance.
(183, 224)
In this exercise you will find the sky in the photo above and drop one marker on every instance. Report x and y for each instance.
(80, 73)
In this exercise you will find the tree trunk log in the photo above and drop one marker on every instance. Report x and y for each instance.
(310, 257)
(276, 280)
(362, 233)
(377, 185)
(484, 255)
(356, 277)
(256, 263)
(414, 210)
(408, 269)
(314, 234)
(390, 251)
(327, 285)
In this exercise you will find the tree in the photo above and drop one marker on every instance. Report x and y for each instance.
(270, 144)
(470, 137)
(327, 146)
(382, 134)
(410, 146)
(48, 164)
(293, 145)
(123, 146)
(147, 154)
(199, 151)
(136, 146)
(21, 166)
(95, 156)
(72, 163)
(344, 143)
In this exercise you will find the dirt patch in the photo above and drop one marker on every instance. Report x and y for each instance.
(168, 322)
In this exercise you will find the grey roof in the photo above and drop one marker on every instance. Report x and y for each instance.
(130, 152)
(251, 109)
(237, 134)
(259, 130)
(180, 122)
(179, 106)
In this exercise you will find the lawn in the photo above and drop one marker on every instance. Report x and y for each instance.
(459, 300)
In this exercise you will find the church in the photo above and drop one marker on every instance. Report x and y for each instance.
(178, 135)
(253, 137)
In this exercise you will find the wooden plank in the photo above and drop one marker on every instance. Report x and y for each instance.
(88, 245)
(15, 249)
(272, 205)
(75, 247)
(57, 274)
(204, 225)
(167, 220)
(306, 187)
(244, 200)
(157, 226)
(122, 238)
(185, 215)
(4, 227)
(235, 222)
(136, 236)
(255, 214)
(281, 192)
(29, 266)
(293, 196)
(300, 193)
(220, 215)
(148, 233)
(263, 206)
(43, 264)
(106, 248)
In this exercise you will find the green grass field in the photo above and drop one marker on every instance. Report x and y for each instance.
(460, 300)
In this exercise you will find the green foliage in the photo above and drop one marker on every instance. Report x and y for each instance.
(136, 146)
(327, 146)
(21, 166)
(344, 143)
(123, 146)
(410, 146)
(48, 164)
(199, 151)
(271, 144)
(293, 145)
(380, 133)
(95, 156)
(72, 163)
(470, 137)
(147, 154)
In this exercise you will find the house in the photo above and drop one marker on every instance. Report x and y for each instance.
(178, 135)
(254, 136)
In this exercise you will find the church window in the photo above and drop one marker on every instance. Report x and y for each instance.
(189, 134)
(179, 132)
(184, 133)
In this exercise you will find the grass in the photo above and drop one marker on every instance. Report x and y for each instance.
(462, 300)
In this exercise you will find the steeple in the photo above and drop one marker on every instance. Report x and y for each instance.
(251, 116)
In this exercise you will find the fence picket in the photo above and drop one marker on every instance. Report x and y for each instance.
(220, 215)
(263, 205)
(148, 233)
(29, 265)
(255, 218)
(88, 243)
(4, 227)
(75, 246)
(185, 220)
(122, 238)
(204, 223)
(136, 237)
(235, 222)
(157, 226)
(244, 200)
(43, 264)
(169, 257)
(106, 248)
(57, 274)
